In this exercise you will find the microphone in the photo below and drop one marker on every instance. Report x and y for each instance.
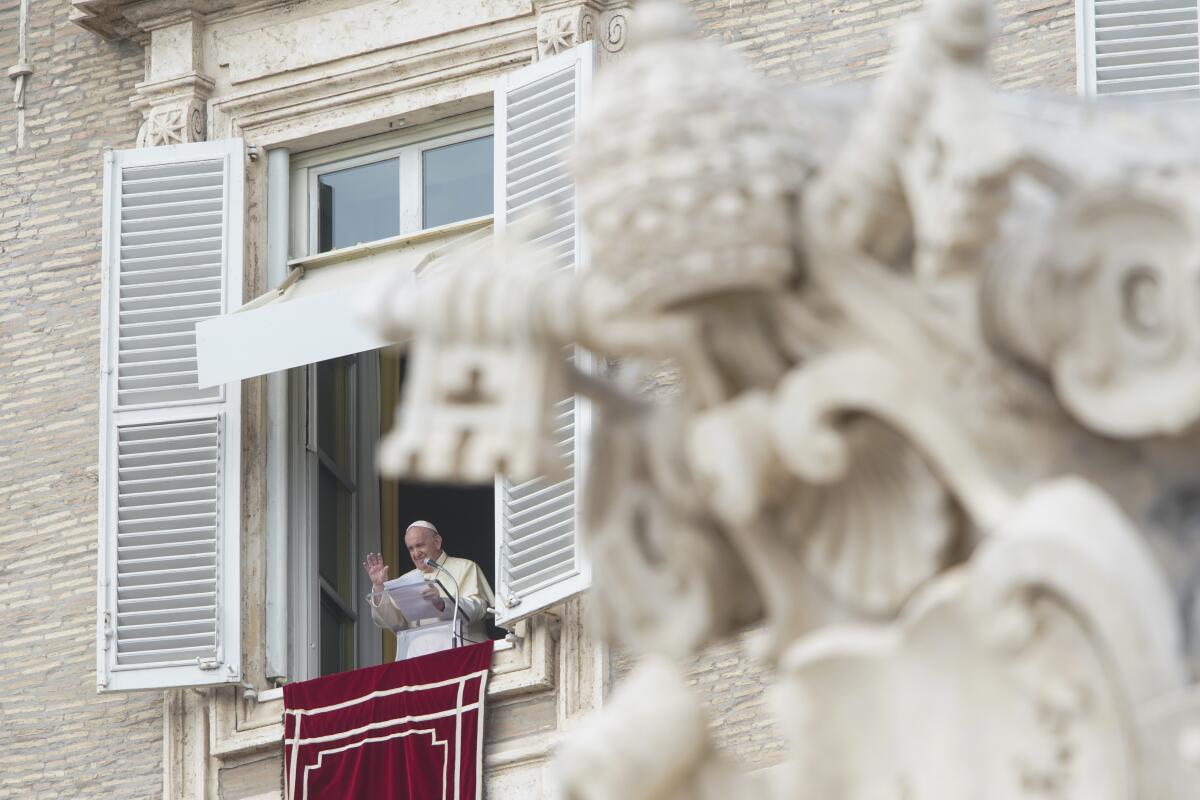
(429, 562)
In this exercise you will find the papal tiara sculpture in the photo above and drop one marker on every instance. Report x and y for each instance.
(936, 356)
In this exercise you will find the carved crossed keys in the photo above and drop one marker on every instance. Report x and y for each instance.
(878, 326)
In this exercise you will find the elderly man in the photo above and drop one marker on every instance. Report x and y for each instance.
(424, 542)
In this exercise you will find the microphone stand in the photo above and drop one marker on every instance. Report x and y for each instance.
(429, 562)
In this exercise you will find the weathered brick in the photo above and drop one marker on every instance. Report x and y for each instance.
(58, 738)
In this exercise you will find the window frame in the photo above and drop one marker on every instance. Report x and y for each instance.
(302, 537)
(303, 542)
(408, 146)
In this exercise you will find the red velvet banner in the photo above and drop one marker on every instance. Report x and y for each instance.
(412, 729)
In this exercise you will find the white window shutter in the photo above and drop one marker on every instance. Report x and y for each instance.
(538, 558)
(1139, 47)
(170, 452)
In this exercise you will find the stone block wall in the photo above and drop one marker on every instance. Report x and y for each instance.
(58, 738)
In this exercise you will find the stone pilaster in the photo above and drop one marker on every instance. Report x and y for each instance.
(173, 98)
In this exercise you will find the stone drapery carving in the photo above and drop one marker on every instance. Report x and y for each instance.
(885, 313)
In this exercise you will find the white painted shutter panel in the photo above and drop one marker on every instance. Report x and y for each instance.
(1140, 47)
(169, 593)
(538, 559)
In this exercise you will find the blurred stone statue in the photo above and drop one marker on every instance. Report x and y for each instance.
(898, 324)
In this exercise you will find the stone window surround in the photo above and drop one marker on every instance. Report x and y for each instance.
(406, 143)
(410, 84)
(444, 75)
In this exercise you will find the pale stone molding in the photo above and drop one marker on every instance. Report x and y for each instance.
(425, 72)
(410, 84)
(896, 323)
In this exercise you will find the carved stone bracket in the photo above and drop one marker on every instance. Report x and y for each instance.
(174, 111)
(563, 25)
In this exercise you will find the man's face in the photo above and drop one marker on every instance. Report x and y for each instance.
(422, 543)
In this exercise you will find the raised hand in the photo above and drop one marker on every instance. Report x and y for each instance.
(376, 570)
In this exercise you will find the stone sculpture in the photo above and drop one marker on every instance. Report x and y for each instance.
(889, 320)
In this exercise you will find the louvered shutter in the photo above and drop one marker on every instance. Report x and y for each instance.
(168, 595)
(538, 558)
(1140, 47)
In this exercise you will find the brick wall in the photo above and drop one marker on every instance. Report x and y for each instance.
(58, 738)
(818, 41)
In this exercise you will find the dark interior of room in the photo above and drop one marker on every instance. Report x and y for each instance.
(464, 515)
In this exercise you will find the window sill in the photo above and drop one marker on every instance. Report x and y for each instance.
(269, 695)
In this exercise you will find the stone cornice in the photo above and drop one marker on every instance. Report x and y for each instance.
(134, 19)
(104, 17)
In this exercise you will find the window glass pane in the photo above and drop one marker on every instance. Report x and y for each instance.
(457, 182)
(334, 551)
(337, 639)
(358, 204)
(333, 410)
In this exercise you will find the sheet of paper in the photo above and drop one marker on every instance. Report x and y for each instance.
(408, 593)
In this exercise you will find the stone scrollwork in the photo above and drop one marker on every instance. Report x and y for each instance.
(616, 25)
(858, 297)
(1111, 307)
(563, 24)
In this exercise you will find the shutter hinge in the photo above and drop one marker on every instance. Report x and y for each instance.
(208, 663)
(512, 601)
(107, 628)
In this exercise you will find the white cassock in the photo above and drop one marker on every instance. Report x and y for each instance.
(474, 601)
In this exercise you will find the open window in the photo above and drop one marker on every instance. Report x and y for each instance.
(341, 510)
(177, 345)
(413, 192)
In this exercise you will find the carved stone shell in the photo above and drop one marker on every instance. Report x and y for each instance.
(878, 534)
